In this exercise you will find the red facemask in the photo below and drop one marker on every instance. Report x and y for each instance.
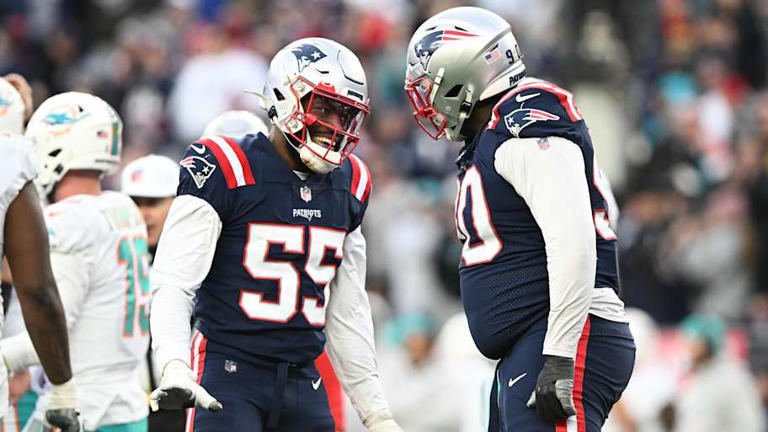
(428, 118)
(330, 120)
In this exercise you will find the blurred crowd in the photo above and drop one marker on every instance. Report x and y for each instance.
(674, 93)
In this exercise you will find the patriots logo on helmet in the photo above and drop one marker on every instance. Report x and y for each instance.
(199, 168)
(306, 54)
(521, 118)
(433, 40)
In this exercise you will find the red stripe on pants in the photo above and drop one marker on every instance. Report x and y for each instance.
(578, 383)
(197, 361)
(333, 390)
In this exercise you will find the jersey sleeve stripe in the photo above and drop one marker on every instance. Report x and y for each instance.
(566, 100)
(223, 161)
(247, 172)
(495, 113)
(354, 161)
(361, 178)
(367, 182)
(234, 162)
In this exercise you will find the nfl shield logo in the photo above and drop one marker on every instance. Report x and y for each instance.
(305, 193)
(230, 366)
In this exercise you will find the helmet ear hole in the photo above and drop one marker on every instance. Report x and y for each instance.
(454, 91)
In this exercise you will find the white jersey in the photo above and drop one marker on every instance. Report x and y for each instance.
(18, 166)
(100, 260)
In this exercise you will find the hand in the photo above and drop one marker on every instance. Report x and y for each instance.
(178, 390)
(382, 422)
(553, 396)
(61, 411)
(64, 420)
(22, 86)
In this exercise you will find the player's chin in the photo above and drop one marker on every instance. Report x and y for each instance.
(153, 235)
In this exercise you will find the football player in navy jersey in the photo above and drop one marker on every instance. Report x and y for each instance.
(263, 246)
(538, 270)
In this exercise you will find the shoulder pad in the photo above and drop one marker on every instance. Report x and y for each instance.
(361, 183)
(229, 156)
(73, 224)
(17, 166)
(534, 104)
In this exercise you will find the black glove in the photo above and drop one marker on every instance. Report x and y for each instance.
(65, 420)
(553, 396)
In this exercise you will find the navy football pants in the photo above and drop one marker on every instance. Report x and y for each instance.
(604, 360)
(257, 397)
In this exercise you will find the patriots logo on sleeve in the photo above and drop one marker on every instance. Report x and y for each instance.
(199, 168)
(307, 54)
(521, 118)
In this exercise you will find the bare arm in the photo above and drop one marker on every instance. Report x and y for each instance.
(26, 246)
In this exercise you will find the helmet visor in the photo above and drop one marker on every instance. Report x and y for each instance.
(431, 121)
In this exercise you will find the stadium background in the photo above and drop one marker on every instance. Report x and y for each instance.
(673, 92)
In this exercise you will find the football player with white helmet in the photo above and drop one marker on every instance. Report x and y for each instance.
(24, 242)
(538, 270)
(236, 124)
(151, 182)
(99, 258)
(263, 243)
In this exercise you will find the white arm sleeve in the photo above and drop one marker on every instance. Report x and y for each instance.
(70, 270)
(14, 321)
(182, 261)
(350, 332)
(553, 183)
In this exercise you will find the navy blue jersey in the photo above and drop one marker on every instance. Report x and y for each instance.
(504, 281)
(280, 245)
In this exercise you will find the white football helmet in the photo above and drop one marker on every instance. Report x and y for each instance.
(309, 70)
(151, 176)
(455, 59)
(74, 131)
(236, 124)
(11, 108)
